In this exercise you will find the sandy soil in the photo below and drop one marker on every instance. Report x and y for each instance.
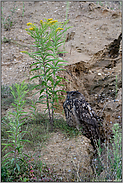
(95, 26)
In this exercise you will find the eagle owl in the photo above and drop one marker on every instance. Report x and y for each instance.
(79, 113)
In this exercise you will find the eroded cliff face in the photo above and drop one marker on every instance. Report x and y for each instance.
(100, 81)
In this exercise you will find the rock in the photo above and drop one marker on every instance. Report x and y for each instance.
(115, 15)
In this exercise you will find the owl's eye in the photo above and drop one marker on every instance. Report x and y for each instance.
(73, 94)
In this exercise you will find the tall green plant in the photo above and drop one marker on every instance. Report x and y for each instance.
(48, 38)
(114, 155)
(16, 120)
(112, 159)
(117, 152)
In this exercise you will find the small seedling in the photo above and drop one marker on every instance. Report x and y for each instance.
(9, 21)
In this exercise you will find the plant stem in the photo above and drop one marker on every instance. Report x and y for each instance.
(16, 143)
(50, 119)
(23, 10)
(53, 101)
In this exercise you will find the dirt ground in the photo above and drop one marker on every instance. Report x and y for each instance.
(94, 26)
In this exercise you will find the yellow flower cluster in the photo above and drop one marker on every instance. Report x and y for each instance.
(58, 29)
(41, 21)
(50, 21)
(28, 24)
(32, 28)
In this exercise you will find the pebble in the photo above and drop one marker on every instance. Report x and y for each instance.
(99, 74)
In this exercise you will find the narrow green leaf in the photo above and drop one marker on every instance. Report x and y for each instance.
(8, 153)
(42, 90)
(26, 155)
(35, 77)
(62, 32)
(24, 140)
(62, 65)
(48, 70)
(35, 69)
(10, 144)
(61, 69)
(36, 92)
(13, 93)
(10, 131)
(23, 118)
(25, 52)
(62, 52)
(57, 82)
(60, 91)
(61, 84)
(35, 86)
(42, 96)
(6, 160)
(35, 63)
(22, 132)
(58, 77)
(21, 124)
(18, 167)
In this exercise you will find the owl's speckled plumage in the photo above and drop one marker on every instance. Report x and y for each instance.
(79, 113)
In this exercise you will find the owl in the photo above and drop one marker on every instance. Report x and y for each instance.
(80, 114)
